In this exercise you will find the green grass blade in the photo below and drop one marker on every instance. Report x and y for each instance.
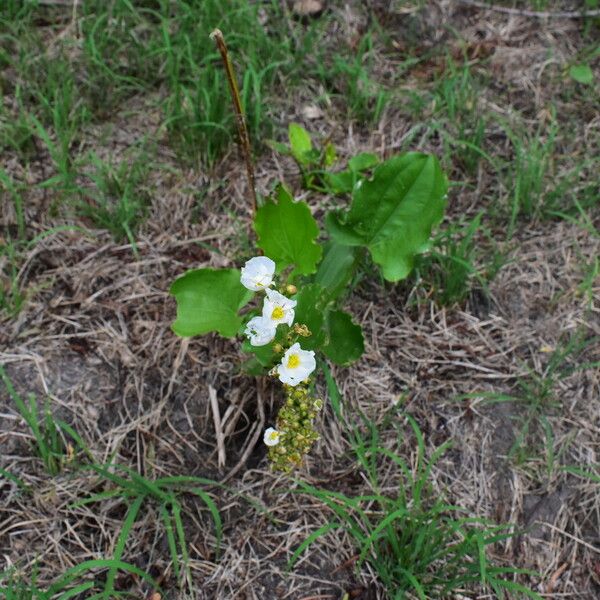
(323, 530)
(120, 545)
(78, 589)
(366, 546)
(166, 517)
(89, 565)
(214, 511)
(20, 484)
(176, 512)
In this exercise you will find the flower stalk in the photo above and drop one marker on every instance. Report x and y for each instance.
(217, 37)
(294, 433)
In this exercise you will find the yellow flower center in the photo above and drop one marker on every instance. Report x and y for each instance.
(293, 361)
(274, 435)
(277, 313)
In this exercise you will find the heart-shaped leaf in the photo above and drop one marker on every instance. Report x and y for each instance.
(287, 232)
(209, 300)
(346, 342)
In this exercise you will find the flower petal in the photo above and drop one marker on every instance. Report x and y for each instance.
(271, 436)
(257, 273)
(260, 331)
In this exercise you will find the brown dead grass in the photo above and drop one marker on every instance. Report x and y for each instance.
(94, 338)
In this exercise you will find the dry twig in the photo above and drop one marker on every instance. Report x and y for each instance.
(565, 14)
(214, 405)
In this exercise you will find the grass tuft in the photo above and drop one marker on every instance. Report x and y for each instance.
(415, 542)
(53, 438)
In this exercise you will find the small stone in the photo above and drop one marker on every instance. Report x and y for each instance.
(308, 8)
(312, 112)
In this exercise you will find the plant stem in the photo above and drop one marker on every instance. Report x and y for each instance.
(218, 38)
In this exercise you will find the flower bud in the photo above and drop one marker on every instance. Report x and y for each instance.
(301, 329)
(291, 289)
(295, 422)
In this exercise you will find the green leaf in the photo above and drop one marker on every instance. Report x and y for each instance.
(252, 366)
(300, 143)
(310, 311)
(337, 268)
(340, 183)
(264, 355)
(329, 155)
(343, 182)
(287, 232)
(392, 213)
(209, 300)
(346, 342)
(343, 233)
(278, 147)
(582, 74)
(363, 161)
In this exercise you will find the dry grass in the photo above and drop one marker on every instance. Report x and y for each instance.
(94, 337)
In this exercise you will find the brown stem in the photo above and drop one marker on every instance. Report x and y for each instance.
(218, 38)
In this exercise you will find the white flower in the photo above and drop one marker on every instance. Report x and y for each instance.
(296, 365)
(261, 331)
(257, 273)
(278, 309)
(271, 437)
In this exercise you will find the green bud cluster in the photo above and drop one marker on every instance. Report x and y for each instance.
(295, 424)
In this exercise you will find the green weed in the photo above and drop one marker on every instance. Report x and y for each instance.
(15, 586)
(576, 190)
(18, 586)
(16, 480)
(121, 53)
(64, 179)
(350, 79)
(591, 274)
(593, 475)
(528, 171)
(197, 113)
(11, 295)
(118, 197)
(135, 491)
(415, 542)
(458, 117)
(16, 10)
(16, 196)
(198, 121)
(536, 394)
(162, 49)
(453, 266)
(16, 133)
(53, 438)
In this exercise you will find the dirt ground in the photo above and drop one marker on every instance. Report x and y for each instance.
(94, 338)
